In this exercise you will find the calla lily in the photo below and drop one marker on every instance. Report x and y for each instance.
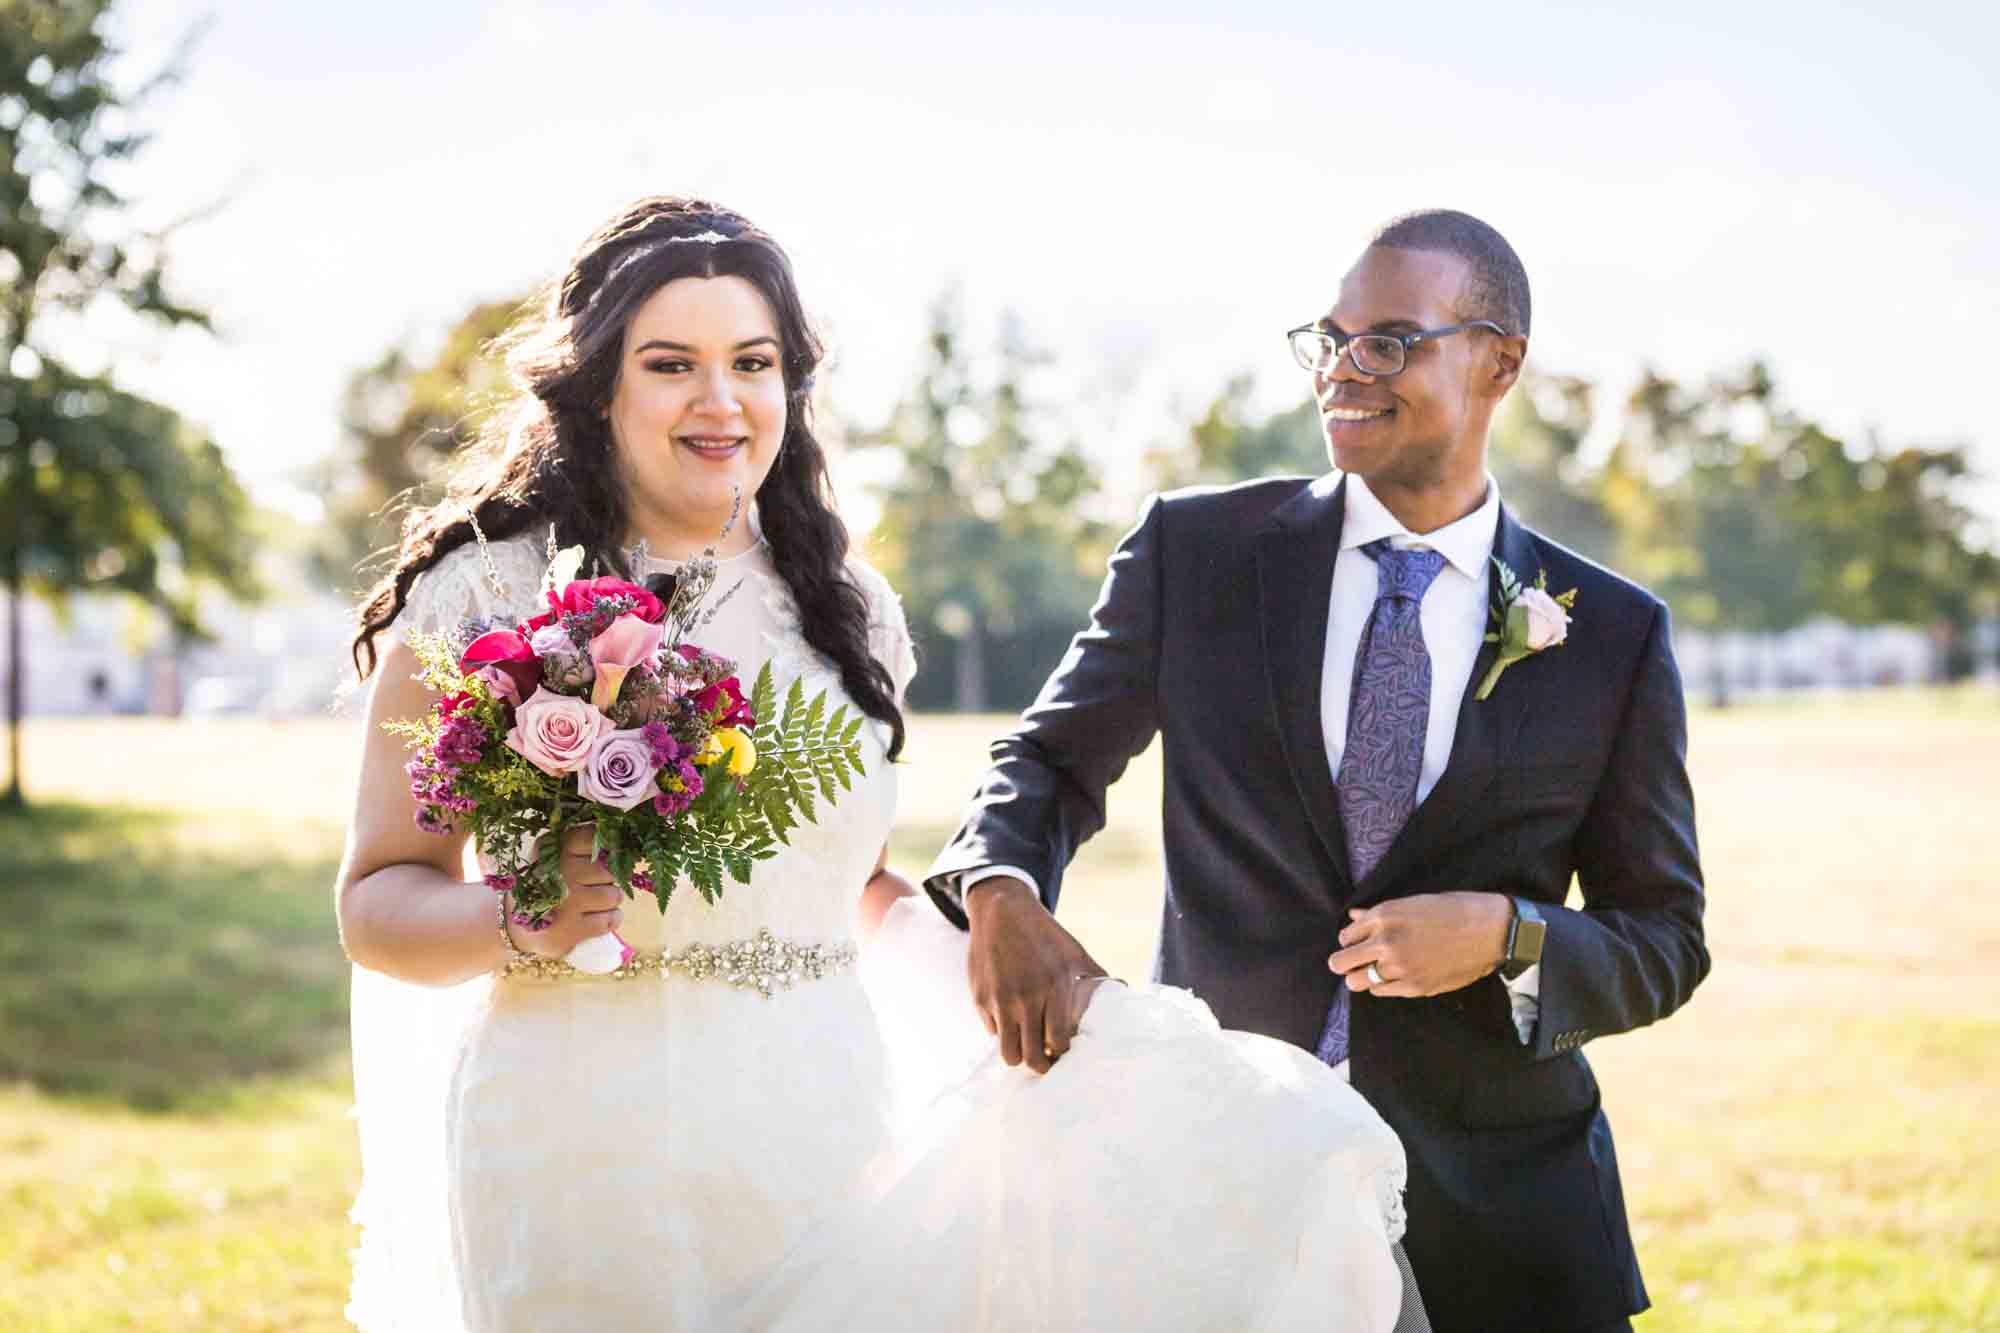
(624, 644)
(510, 655)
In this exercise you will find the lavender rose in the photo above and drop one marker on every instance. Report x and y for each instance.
(619, 771)
(555, 733)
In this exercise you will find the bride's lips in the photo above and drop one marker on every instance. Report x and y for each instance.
(713, 446)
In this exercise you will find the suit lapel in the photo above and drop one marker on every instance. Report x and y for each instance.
(1295, 556)
(1485, 732)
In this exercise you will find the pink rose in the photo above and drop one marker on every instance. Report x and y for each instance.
(579, 596)
(619, 771)
(624, 644)
(1548, 622)
(555, 732)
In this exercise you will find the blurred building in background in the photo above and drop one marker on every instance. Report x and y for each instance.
(278, 659)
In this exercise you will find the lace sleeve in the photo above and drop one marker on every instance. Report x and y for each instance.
(888, 632)
(459, 588)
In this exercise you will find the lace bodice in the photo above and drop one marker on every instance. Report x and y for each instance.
(809, 889)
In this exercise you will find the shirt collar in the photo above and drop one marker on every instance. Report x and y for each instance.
(1466, 543)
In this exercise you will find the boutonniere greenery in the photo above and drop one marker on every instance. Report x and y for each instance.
(1524, 621)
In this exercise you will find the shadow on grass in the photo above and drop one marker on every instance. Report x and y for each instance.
(161, 961)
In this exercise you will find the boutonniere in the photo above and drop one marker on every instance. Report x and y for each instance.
(1524, 621)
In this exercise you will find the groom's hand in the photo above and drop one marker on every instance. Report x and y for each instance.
(1025, 972)
(1423, 945)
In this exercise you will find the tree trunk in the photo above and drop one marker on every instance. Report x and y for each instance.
(15, 798)
(970, 691)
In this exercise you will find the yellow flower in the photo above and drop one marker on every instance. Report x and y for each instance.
(736, 743)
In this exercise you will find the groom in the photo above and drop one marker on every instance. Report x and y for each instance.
(1365, 857)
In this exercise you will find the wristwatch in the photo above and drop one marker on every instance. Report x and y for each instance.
(1524, 939)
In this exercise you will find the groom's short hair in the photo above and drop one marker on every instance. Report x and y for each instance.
(1497, 288)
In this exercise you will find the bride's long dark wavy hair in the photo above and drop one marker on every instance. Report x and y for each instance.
(547, 456)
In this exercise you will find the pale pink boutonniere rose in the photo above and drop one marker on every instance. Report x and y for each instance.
(1528, 620)
(555, 732)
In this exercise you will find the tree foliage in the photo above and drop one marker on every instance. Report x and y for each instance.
(99, 489)
(1743, 514)
(1225, 446)
(403, 420)
(984, 528)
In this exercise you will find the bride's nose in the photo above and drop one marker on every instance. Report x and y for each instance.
(714, 396)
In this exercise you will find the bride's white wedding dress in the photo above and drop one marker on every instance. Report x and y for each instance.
(667, 1153)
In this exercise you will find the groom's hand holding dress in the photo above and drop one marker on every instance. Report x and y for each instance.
(1026, 972)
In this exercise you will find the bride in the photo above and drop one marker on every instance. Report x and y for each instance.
(547, 1149)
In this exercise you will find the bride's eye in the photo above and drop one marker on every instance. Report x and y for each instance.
(671, 366)
(751, 365)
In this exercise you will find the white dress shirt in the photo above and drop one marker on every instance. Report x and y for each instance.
(1453, 615)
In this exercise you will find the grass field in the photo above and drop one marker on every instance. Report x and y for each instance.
(1806, 1147)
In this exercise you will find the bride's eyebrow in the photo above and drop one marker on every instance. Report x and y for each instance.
(665, 345)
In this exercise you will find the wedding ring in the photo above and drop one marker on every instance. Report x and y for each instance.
(1374, 975)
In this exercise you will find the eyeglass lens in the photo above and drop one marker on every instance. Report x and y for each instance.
(1372, 353)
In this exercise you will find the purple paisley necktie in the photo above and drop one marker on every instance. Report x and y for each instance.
(1388, 715)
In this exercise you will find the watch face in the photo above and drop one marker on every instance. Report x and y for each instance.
(1528, 941)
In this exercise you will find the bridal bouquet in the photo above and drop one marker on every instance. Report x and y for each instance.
(601, 711)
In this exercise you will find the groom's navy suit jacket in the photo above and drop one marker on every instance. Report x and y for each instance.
(1211, 631)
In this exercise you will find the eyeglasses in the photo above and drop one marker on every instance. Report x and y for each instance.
(1373, 354)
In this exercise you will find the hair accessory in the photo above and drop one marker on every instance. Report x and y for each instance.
(637, 253)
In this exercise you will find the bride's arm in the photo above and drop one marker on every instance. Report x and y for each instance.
(880, 893)
(404, 907)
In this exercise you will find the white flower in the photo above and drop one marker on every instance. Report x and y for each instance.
(1548, 622)
(553, 641)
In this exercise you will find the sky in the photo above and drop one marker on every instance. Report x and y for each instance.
(1156, 191)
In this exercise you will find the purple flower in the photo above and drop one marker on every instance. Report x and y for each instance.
(641, 882)
(460, 742)
(500, 883)
(680, 783)
(666, 750)
(619, 770)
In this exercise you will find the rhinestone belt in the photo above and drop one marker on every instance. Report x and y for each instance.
(764, 963)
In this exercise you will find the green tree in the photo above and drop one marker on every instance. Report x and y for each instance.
(98, 488)
(403, 422)
(983, 527)
(1222, 447)
(1743, 514)
(1536, 457)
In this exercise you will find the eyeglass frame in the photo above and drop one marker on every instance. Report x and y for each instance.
(1407, 340)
